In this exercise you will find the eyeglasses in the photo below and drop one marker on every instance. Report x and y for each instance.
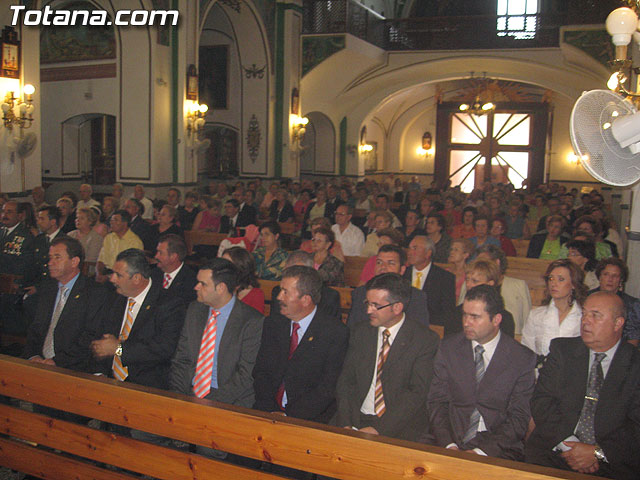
(376, 306)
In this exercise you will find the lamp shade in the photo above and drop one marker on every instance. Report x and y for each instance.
(621, 23)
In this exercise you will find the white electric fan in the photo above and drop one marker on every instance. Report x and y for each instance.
(605, 134)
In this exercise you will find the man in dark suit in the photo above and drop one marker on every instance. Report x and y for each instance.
(48, 219)
(301, 353)
(390, 259)
(16, 242)
(231, 218)
(176, 278)
(68, 303)
(238, 328)
(247, 214)
(483, 381)
(139, 225)
(585, 404)
(439, 285)
(329, 304)
(389, 365)
(138, 334)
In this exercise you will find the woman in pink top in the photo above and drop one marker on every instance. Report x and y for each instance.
(209, 219)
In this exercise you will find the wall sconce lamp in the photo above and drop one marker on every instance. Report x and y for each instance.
(365, 148)
(574, 159)
(426, 148)
(25, 108)
(298, 127)
(195, 118)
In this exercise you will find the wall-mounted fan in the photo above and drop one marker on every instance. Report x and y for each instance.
(605, 134)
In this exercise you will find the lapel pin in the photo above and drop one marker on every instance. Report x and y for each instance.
(77, 296)
(148, 307)
(310, 339)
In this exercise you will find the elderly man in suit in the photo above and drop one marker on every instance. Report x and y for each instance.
(390, 259)
(586, 402)
(483, 381)
(137, 335)
(437, 283)
(301, 353)
(389, 365)
(68, 302)
(176, 278)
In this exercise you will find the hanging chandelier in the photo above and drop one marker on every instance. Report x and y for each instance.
(481, 105)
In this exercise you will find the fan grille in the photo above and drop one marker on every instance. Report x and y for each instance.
(600, 153)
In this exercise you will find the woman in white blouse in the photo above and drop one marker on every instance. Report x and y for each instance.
(561, 314)
(91, 240)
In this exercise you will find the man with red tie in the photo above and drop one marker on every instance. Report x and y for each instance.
(301, 352)
(219, 341)
(389, 365)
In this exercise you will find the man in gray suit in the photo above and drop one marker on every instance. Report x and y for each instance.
(385, 378)
(219, 341)
(483, 381)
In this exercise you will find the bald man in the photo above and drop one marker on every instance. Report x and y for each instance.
(586, 403)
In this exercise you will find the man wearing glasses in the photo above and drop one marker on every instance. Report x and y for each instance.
(385, 379)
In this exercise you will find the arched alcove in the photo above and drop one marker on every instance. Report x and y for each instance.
(88, 148)
(318, 147)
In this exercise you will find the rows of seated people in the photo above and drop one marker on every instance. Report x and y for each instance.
(201, 331)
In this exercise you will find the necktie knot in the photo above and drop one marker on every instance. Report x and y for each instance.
(167, 279)
(598, 357)
(63, 292)
(479, 349)
(131, 304)
(385, 335)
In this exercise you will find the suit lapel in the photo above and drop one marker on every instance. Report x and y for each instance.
(613, 383)
(74, 297)
(400, 343)
(145, 309)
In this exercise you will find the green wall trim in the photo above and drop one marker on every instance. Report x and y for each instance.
(279, 116)
(343, 146)
(175, 101)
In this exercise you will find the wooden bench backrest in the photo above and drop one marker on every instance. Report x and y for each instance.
(197, 237)
(521, 245)
(334, 452)
(353, 269)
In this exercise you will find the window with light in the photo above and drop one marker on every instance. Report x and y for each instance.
(517, 18)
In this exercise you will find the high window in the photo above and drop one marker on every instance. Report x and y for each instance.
(518, 18)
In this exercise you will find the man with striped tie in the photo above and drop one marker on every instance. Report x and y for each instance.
(389, 365)
(483, 381)
(138, 334)
(219, 341)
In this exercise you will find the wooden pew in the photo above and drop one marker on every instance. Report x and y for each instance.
(198, 237)
(88, 452)
(522, 246)
(352, 269)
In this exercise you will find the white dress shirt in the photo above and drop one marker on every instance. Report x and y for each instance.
(543, 325)
(368, 406)
(351, 240)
